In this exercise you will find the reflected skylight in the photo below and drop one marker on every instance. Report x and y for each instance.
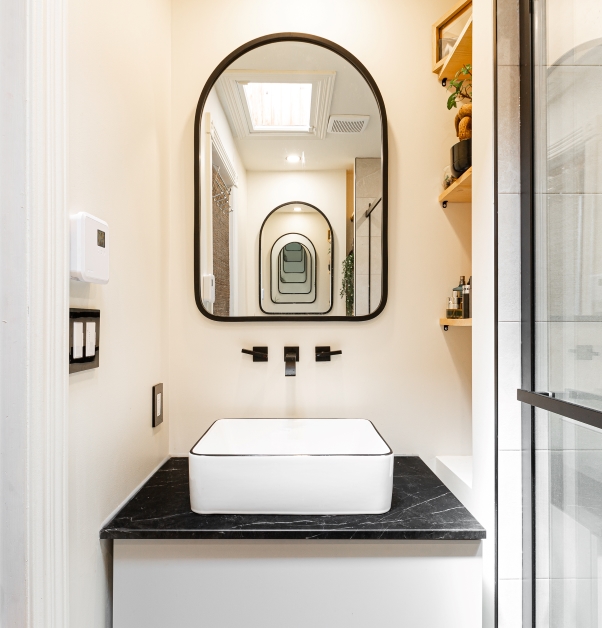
(279, 106)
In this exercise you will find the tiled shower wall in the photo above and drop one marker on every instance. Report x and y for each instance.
(368, 273)
(509, 345)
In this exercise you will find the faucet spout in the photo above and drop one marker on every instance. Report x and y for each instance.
(290, 366)
(291, 357)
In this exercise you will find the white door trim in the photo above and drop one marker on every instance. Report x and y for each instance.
(48, 295)
(34, 301)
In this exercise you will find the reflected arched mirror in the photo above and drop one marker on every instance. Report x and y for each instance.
(290, 185)
(295, 261)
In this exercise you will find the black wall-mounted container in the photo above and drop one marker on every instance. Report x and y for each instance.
(461, 158)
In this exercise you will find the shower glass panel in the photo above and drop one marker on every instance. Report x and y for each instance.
(568, 459)
(568, 199)
(567, 257)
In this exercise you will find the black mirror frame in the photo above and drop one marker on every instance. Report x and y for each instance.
(329, 45)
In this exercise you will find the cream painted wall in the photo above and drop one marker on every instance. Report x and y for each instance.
(400, 370)
(119, 99)
(325, 190)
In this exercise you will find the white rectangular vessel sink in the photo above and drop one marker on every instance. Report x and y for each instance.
(291, 466)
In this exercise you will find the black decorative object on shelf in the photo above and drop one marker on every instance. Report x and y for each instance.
(461, 158)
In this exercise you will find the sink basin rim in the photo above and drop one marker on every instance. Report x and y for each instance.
(389, 451)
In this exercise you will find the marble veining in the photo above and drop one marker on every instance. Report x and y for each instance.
(422, 508)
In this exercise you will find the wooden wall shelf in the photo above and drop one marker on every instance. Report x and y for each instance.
(460, 47)
(455, 322)
(460, 191)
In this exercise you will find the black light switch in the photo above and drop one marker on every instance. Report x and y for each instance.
(157, 405)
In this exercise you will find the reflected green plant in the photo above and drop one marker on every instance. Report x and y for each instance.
(347, 284)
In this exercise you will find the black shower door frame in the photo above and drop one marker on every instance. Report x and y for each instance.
(530, 398)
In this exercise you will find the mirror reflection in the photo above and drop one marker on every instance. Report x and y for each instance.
(290, 187)
(295, 261)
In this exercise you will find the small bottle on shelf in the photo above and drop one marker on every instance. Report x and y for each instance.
(466, 301)
(453, 309)
(459, 290)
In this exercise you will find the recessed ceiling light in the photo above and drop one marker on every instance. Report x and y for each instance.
(297, 209)
(293, 159)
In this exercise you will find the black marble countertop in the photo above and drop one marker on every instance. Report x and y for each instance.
(422, 508)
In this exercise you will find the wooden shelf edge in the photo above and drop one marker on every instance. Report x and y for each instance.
(460, 191)
(456, 322)
(460, 55)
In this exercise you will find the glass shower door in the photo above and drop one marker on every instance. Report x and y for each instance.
(561, 116)
(568, 472)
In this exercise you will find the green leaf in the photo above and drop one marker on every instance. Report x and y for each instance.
(451, 101)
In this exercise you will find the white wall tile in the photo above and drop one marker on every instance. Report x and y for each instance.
(510, 600)
(542, 505)
(508, 130)
(375, 291)
(376, 255)
(509, 515)
(571, 603)
(361, 295)
(509, 298)
(509, 380)
(542, 602)
(509, 304)
(507, 32)
(361, 255)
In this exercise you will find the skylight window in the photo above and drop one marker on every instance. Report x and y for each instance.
(271, 103)
(279, 106)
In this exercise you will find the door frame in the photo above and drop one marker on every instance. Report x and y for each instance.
(34, 290)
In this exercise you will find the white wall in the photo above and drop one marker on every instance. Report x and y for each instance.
(324, 189)
(119, 98)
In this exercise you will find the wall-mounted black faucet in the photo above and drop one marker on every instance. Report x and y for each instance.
(260, 354)
(323, 354)
(291, 357)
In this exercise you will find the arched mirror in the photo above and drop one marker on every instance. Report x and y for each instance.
(290, 185)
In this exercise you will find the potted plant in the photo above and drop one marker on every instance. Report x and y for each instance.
(461, 153)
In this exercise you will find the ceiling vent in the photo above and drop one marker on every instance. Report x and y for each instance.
(347, 124)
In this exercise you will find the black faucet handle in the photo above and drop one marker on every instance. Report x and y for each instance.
(260, 354)
(323, 354)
